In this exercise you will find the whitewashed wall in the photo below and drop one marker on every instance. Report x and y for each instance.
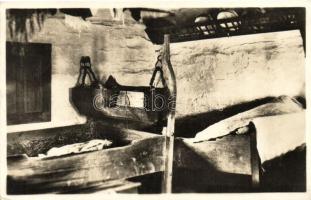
(211, 74)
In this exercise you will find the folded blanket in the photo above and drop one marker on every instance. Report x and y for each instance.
(279, 106)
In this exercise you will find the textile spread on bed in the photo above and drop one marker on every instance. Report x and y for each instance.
(92, 145)
(280, 126)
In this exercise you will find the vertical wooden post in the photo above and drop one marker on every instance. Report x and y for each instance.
(169, 133)
(255, 160)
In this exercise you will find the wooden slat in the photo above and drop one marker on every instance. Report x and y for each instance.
(229, 154)
(106, 187)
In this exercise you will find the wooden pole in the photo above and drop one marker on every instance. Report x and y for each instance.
(255, 160)
(169, 133)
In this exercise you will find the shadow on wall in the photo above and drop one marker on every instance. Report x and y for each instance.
(190, 125)
(95, 52)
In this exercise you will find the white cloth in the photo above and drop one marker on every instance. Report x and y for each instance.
(92, 145)
(277, 135)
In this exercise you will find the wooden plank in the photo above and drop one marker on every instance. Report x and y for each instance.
(229, 154)
(78, 186)
(104, 130)
(108, 187)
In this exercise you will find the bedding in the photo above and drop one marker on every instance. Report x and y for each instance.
(92, 145)
(277, 135)
(280, 126)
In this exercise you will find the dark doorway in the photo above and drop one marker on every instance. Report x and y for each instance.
(28, 81)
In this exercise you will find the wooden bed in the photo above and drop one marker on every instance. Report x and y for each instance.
(135, 153)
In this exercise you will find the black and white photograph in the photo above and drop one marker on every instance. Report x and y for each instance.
(155, 100)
